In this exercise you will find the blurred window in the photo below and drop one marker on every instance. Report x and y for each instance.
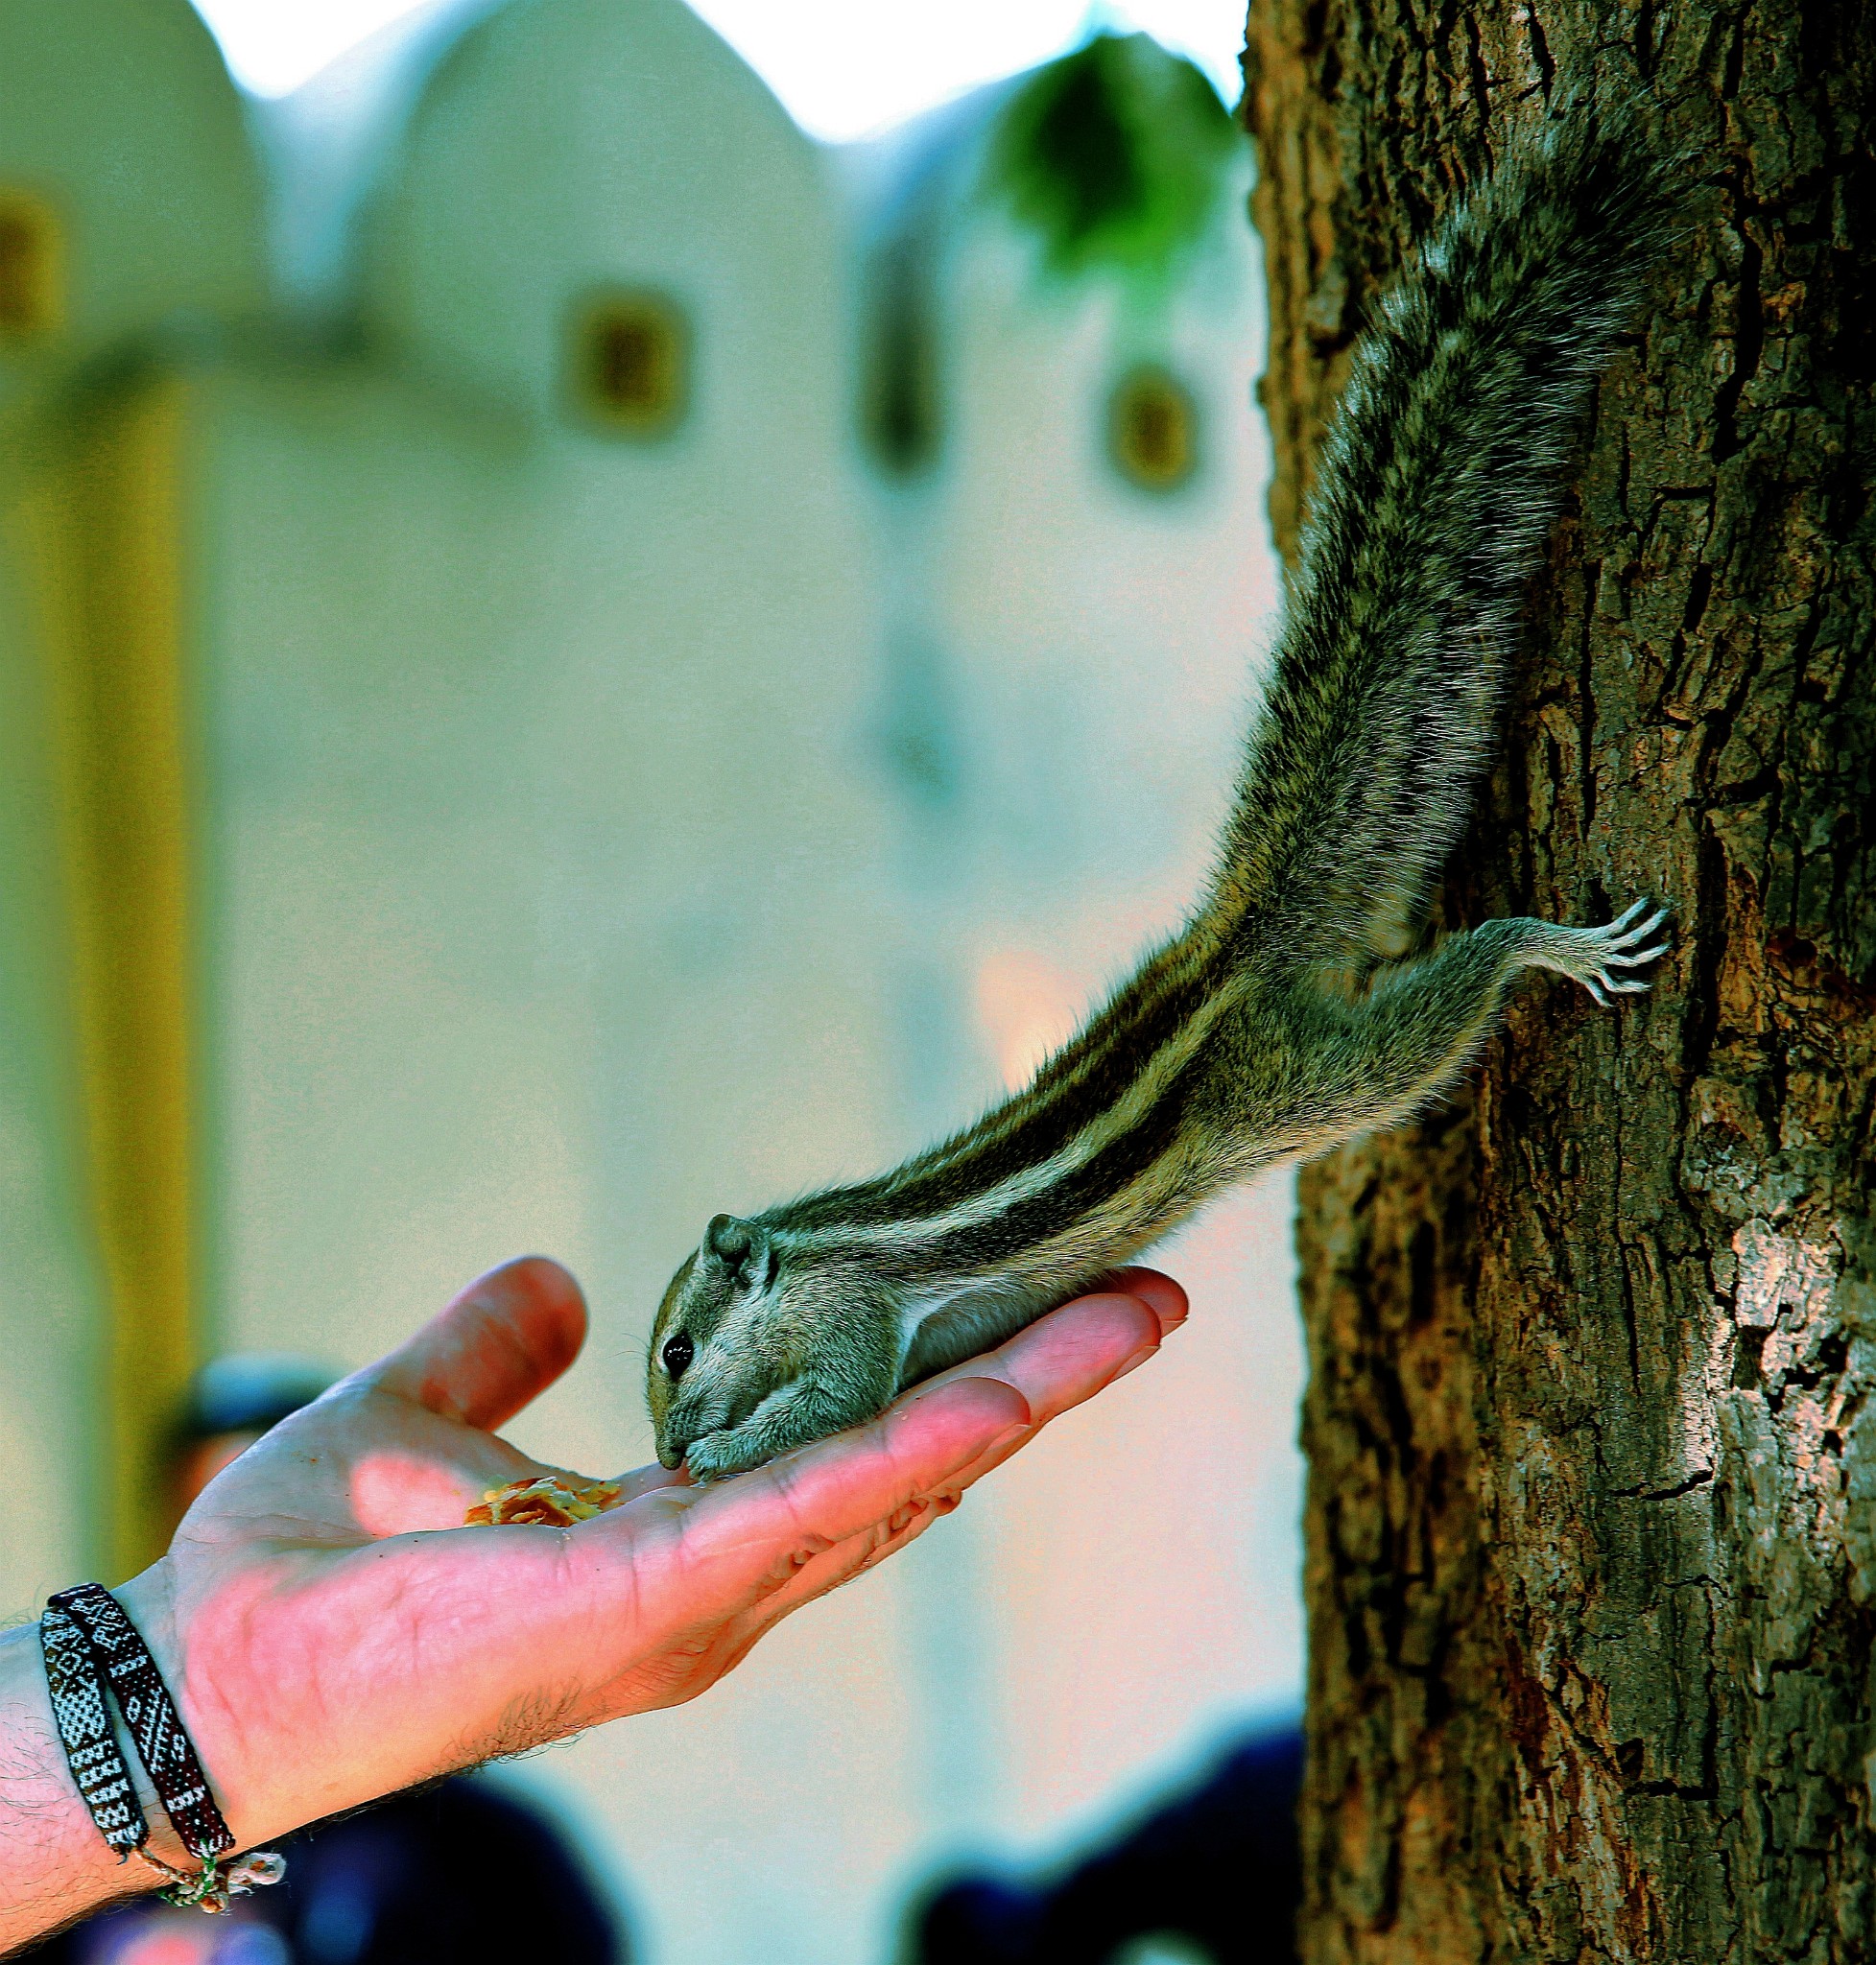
(29, 266)
(900, 414)
(631, 364)
(1153, 430)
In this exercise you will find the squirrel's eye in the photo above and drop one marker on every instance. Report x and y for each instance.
(677, 1353)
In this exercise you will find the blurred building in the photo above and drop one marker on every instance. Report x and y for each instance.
(574, 660)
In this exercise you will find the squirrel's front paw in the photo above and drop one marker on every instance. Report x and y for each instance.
(717, 1456)
(795, 1415)
(736, 1449)
(1601, 958)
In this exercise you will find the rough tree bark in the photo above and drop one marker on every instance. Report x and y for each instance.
(1592, 1514)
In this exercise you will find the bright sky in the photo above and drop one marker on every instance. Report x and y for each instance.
(843, 67)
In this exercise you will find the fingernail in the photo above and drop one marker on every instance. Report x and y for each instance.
(1134, 1362)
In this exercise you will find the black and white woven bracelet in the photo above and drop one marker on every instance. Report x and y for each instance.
(84, 1728)
(91, 1647)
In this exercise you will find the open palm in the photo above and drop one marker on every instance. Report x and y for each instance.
(332, 1633)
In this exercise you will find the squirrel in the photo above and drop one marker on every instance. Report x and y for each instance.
(1286, 1016)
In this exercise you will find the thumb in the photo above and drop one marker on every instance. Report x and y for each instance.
(502, 1343)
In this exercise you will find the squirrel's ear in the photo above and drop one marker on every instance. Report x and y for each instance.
(741, 1249)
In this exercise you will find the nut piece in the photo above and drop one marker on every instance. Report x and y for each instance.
(552, 1501)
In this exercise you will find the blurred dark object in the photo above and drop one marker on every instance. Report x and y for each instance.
(231, 1401)
(248, 1391)
(458, 1873)
(1217, 1867)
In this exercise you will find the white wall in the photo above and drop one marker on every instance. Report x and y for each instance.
(541, 798)
(50, 1289)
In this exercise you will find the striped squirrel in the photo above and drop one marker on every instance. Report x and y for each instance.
(1283, 1019)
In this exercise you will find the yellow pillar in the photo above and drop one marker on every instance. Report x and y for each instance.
(104, 523)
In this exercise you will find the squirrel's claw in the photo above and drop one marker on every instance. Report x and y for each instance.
(1631, 942)
(1600, 958)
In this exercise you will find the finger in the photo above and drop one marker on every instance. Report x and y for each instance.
(647, 1480)
(758, 1544)
(1639, 958)
(503, 1342)
(831, 1568)
(1062, 1360)
(733, 1558)
(1164, 1298)
(1055, 1363)
(1068, 1356)
(829, 1571)
(1644, 929)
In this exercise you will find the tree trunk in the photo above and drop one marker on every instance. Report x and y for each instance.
(1591, 1542)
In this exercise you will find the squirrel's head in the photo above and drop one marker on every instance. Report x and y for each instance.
(717, 1348)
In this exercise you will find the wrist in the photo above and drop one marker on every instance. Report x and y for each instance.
(54, 1866)
(148, 1602)
(153, 1603)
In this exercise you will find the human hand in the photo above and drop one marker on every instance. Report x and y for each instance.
(332, 1634)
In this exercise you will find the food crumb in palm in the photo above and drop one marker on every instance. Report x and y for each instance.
(550, 1501)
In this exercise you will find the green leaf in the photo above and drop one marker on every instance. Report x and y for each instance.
(1113, 157)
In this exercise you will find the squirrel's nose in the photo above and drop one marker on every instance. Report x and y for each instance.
(673, 1438)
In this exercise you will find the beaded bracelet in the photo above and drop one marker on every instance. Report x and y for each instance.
(91, 1649)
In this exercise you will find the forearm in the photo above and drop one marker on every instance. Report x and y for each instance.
(53, 1864)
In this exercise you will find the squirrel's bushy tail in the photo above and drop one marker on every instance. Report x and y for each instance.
(1437, 489)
